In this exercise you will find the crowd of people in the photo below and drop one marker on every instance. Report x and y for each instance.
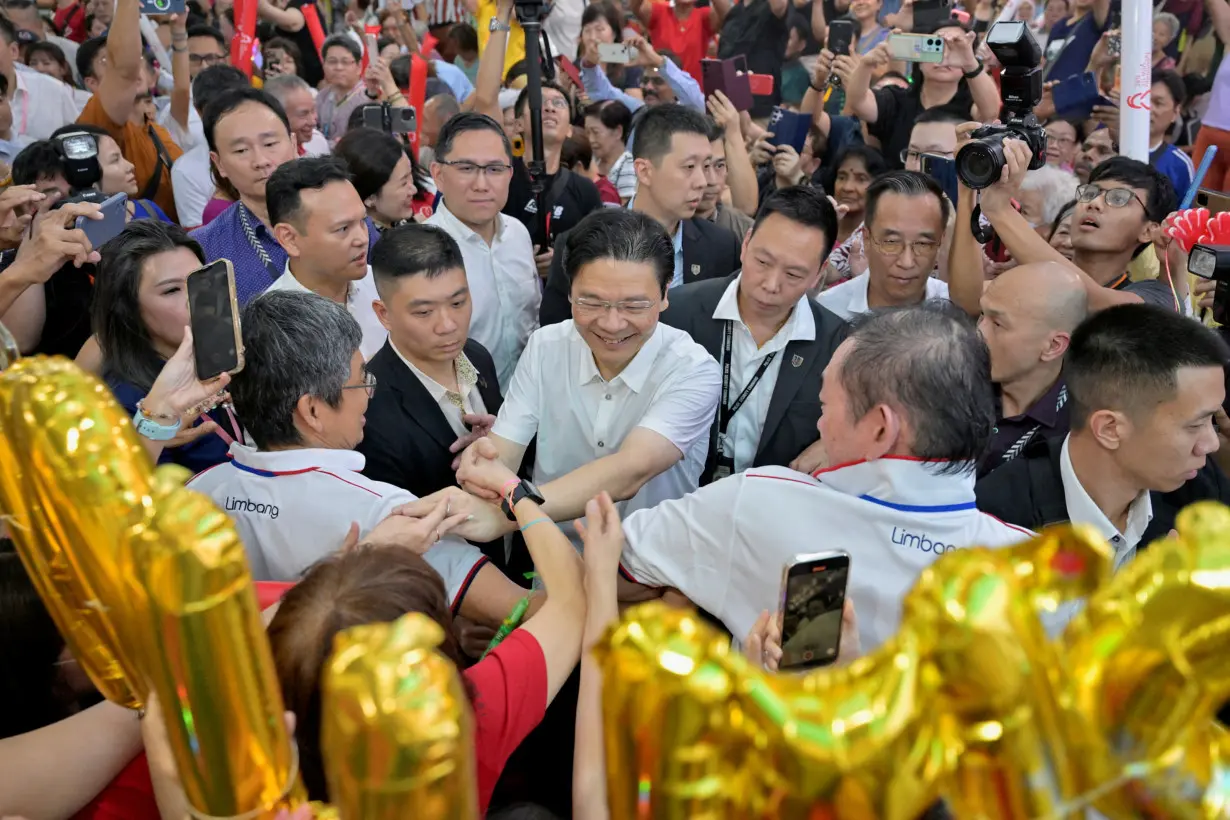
(685, 352)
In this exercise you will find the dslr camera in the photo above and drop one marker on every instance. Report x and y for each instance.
(981, 162)
(1213, 262)
(78, 152)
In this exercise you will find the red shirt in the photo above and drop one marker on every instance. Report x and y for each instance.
(69, 21)
(688, 38)
(129, 797)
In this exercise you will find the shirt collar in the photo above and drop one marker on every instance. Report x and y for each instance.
(858, 294)
(438, 391)
(634, 375)
(800, 327)
(1083, 510)
(287, 281)
(1045, 410)
(464, 231)
(903, 483)
(300, 460)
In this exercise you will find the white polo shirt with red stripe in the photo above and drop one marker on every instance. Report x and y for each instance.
(294, 507)
(725, 545)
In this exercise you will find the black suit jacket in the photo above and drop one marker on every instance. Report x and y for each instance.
(794, 408)
(407, 436)
(709, 252)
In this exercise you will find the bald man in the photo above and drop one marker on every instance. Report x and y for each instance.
(1028, 315)
(436, 112)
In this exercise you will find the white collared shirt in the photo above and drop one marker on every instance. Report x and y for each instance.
(670, 387)
(294, 507)
(849, 299)
(188, 138)
(1083, 510)
(40, 104)
(472, 399)
(359, 298)
(725, 545)
(504, 287)
(317, 146)
(745, 426)
(193, 185)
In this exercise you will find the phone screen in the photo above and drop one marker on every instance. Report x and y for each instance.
(212, 314)
(814, 595)
(944, 171)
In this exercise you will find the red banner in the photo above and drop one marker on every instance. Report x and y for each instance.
(311, 18)
(245, 35)
(418, 95)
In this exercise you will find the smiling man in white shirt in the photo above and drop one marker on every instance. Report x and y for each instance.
(618, 402)
(321, 222)
(473, 169)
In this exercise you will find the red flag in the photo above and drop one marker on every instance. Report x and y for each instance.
(418, 94)
(311, 18)
(428, 45)
(245, 35)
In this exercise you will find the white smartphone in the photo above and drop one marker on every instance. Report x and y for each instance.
(813, 596)
(615, 53)
(916, 48)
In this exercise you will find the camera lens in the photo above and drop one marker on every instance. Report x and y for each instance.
(980, 163)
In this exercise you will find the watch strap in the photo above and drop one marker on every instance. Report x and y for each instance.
(152, 429)
(976, 70)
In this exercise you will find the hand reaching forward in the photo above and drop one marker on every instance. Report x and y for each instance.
(481, 471)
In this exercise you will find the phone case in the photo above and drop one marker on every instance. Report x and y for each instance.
(789, 128)
(163, 6)
(840, 37)
(760, 84)
(808, 559)
(115, 217)
(916, 48)
(1076, 96)
(570, 68)
(614, 53)
(729, 76)
(234, 299)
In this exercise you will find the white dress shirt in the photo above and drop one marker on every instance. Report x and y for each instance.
(294, 507)
(193, 185)
(40, 104)
(471, 398)
(745, 426)
(725, 545)
(849, 299)
(317, 146)
(359, 298)
(1083, 510)
(504, 287)
(670, 387)
(186, 139)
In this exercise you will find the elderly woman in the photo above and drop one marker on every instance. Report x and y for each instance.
(1044, 193)
(1166, 27)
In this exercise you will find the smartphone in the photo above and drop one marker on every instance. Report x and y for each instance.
(114, 218)
(570, 68)
(789, 128)
(1114, 43)
(813, 595)
(1075, 97)
(840, 37)
(944, 171)
(760, 84)
(615, 53)
(916, 48)
(154, 7)
(1216, 201)
(213, 315)
(730, 76)
(929, 14)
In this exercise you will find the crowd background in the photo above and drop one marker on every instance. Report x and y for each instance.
(421, 342)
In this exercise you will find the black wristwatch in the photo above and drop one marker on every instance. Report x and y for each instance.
(974, 72)
(525, 489)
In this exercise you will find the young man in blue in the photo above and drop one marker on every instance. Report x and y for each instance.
(1168, 95)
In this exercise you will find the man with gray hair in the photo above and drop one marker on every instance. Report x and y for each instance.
(908, 409)
(297, 99)
(295, 496)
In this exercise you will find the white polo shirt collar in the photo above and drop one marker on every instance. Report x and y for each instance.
(903, 483)
(633, 376)
(301, 460)
(359, 297)
(460, 230)
(849, 299)
(1083, 510)
(800, 327)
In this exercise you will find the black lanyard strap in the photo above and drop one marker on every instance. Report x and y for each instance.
(725, 413)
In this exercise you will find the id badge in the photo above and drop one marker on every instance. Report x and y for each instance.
(721, 471)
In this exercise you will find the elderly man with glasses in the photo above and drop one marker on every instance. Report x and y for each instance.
(297, 493)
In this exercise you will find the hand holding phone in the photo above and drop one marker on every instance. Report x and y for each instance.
(114, 218)
(812, 605)
(213, 315)
(620, 53)
(840, 37)
(916, 48)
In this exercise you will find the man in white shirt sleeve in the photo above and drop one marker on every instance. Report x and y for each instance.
(908, 408)
(618, 402)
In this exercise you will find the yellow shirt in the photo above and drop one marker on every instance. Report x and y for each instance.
(516, 38)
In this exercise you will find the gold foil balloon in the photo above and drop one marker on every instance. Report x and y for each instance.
(693, 731)
(209, 660)
(75, 479)
(397, 731)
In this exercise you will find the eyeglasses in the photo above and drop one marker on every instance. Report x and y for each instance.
(922, 248)
(369, 384)
(631, 307)
(495, 170)
(910, 154)
(340, 62)
(558, 103)
(1115, 197)
(1062, 139)
(207, 60)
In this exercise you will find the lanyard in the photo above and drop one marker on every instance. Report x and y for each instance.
(221, 431)
(257, 247)
(725, 413)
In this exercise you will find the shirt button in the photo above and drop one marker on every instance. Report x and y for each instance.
(994, 430)
(602, 444)
(608, 396)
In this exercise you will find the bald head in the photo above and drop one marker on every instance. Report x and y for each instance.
(1049, 293)
(1028, 315)
(436, 112)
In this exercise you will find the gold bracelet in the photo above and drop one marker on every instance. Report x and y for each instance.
(154, 416)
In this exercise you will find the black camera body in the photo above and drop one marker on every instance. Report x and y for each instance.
(981, 162)
(1213, 262)
(78, 151)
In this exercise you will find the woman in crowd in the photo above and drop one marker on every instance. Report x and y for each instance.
(118, 174)
(847, 180)
(600, 23)
(1165, 29)
(607, 124)
(48, 58)
(866, 14)
(392, 186)
(1063, 141)
(1060, 234)
(578, 157)
(282, 56)
(140, 316)
(1043, 195)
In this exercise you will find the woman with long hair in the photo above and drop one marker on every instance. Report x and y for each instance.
(600, 23)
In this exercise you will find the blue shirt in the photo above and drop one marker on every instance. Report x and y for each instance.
(454, 78)
(196, 456)
(1176, 165)
(1070, 46)
(148, 209)
(225, 238)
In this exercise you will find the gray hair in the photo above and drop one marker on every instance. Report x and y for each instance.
(295, 345)
(928, 363)
(1057, 186)
(1171, 22)
(283, 85)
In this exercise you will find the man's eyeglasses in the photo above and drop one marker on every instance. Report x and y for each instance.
(207, 60)
(495, 170)
(630, 307)
(1115, 197)
(340, 62)
(558, 103)
(1062, 139)
(922, 248)
(910, 154)
(369, 384)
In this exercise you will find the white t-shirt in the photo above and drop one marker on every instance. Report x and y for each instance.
(193, 185)
(849, 299)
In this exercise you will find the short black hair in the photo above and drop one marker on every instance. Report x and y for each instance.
(872, 160)
(212, 81)
(4, 86)
(939, 114)
(612, 114)
(87, 55)
(209, 31)
(400, 69)
(232, 98)
(621, 236)
(371, 156)
(658, 126)
(464, 35)
(1127, 358)
(37, 160)
(7, 30)
(459, 124)
(575, 151)
(290, 47)
(905, 183)
(283, 191)
(411, 249)
(808, 207)
(606, 11)
(1161, 199)
(1174, 84)
(523, 99)
(342, 41)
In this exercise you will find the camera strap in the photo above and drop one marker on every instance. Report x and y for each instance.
(164, 158)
